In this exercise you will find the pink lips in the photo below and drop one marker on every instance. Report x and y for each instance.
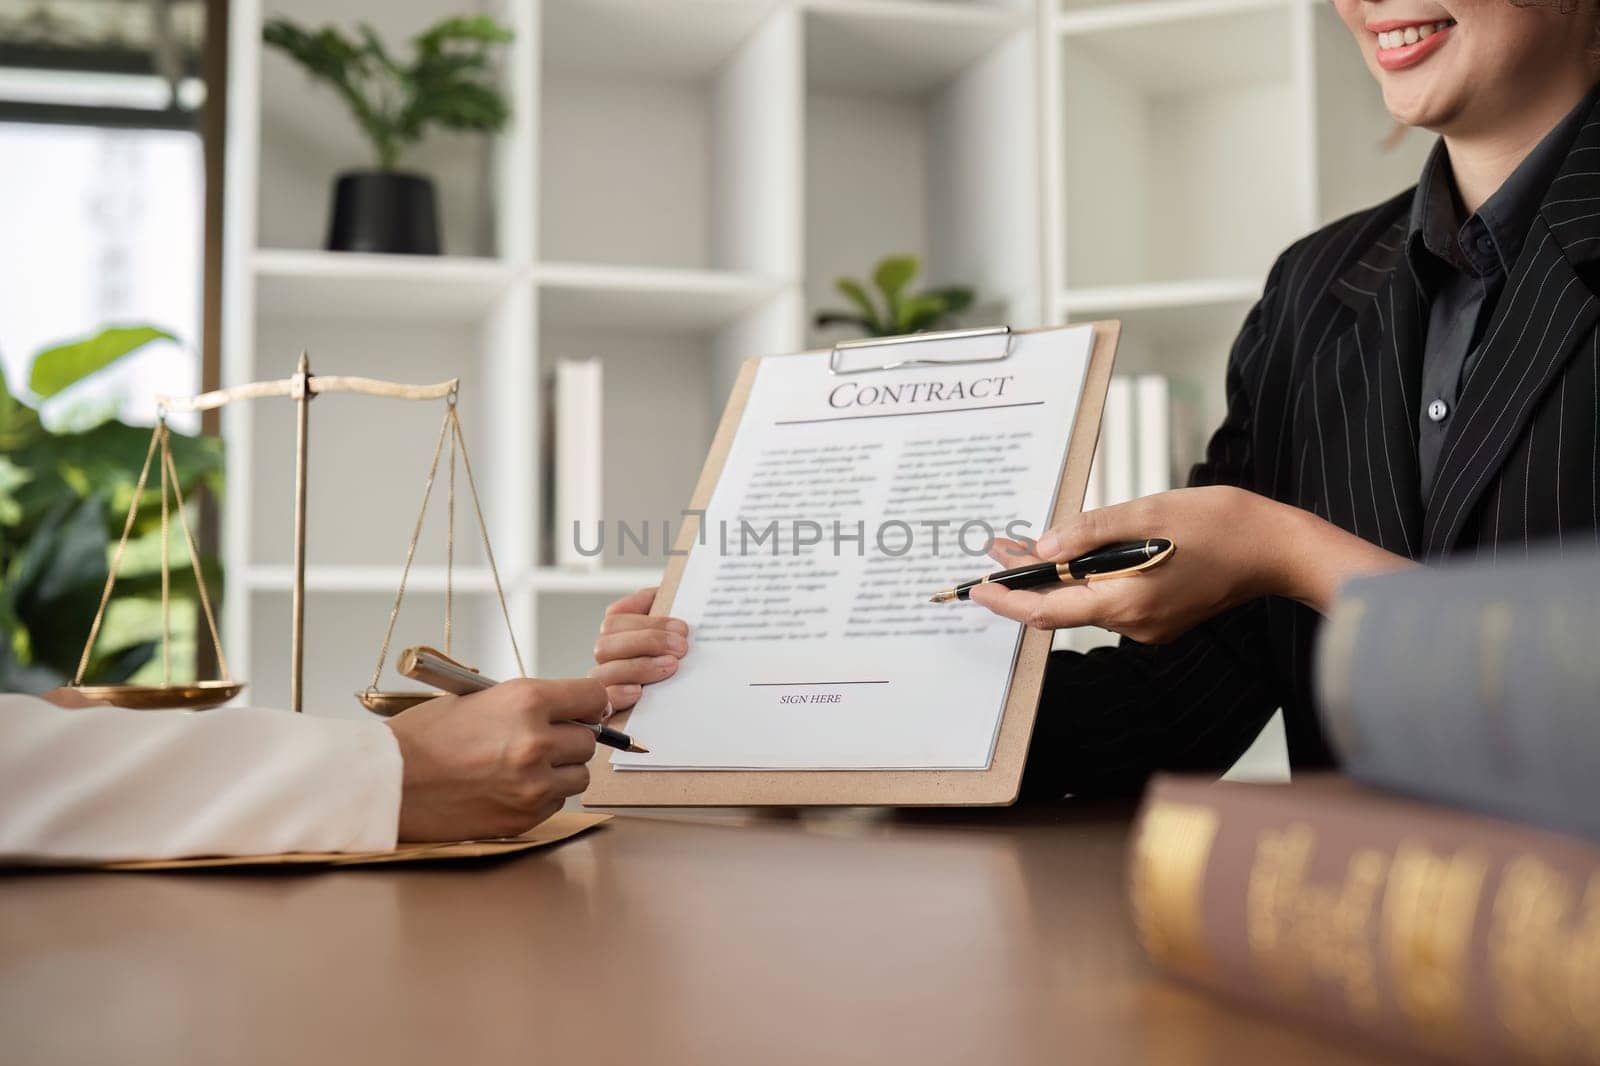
(1409, 55)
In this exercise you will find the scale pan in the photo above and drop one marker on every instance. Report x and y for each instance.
(196, 696)
(389, 704)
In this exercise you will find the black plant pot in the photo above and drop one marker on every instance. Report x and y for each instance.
(384, 211)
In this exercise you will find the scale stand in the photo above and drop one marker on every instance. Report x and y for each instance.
(302, 388)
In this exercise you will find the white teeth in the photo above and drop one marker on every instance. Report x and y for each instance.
(1411, 34)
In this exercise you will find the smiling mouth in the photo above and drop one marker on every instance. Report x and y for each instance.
(1402, 45)
(1389, 40)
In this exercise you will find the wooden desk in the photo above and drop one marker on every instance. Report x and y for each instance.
(847, 937)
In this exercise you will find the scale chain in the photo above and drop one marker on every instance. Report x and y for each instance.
(166, 562)
(116, 559)
(194, 561)
(488, 551)
(416, 535)
(159, 442)
(450, 549)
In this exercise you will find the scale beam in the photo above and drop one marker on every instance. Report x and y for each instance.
(210, 401)
(302, 388)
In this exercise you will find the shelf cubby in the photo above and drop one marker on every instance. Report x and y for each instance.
(655, 385)
(567, 624)
(1180, 157)
(370, 455)
(344, 631)
(661, 137)
(308, 137)
(920, 140)
(1186, 339)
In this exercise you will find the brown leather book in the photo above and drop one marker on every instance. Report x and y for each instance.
(1448, 935)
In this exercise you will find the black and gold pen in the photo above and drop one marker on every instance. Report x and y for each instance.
(433, 667)
(1114, 560)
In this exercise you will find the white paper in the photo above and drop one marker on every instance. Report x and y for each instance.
(829, 655)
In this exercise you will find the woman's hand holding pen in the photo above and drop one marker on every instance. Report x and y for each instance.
(1232, 546)
(636, 648)
(494, 762)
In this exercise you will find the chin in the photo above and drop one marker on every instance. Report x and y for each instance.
(1429, 102)
(1424, 114)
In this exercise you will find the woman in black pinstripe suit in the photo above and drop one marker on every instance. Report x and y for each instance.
(1419, 379)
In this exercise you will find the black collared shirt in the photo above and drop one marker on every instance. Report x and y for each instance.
(1462, 266)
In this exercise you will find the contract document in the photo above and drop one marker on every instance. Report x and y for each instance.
(845, 501)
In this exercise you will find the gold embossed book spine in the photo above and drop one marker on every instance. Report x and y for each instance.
(1446, 935)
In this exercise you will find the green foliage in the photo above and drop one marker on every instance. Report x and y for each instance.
(447, 82)
(56, 368)
(63, 499)
(900, 313)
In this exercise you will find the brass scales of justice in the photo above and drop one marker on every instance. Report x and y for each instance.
(302, 387)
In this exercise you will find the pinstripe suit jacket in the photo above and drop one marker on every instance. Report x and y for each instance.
(1323, 400)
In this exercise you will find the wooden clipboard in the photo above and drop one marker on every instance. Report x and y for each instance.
(995, 786)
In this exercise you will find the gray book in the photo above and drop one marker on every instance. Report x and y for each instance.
(1476, 686)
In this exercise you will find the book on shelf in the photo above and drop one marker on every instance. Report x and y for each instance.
(577, 461)
(1441, 933)
(1117, 442)
(1134, 457)
(1473, 686)
(1153, 448)
(1189, 424)
(1094, 492)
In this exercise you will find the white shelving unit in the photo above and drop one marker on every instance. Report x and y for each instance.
(681, 182)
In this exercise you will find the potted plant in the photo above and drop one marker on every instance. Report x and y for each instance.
(447, 83)
(901, 312)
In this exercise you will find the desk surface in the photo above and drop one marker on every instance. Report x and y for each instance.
(844, 937)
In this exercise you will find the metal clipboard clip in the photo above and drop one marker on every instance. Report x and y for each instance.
(983, 338)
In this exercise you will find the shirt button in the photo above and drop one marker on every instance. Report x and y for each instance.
(1437, 411)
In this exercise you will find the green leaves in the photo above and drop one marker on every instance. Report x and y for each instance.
(63, 498)
(54, 369)
(19, 423)
(448, 82)
(480, 28)
(857, 294)
(328, 54)
(12, 478)
(346, 66)
(900, 313)
(891, 277)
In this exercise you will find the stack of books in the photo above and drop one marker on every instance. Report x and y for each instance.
(1443, 896)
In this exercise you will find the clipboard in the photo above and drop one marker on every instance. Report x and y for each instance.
(999, 783)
